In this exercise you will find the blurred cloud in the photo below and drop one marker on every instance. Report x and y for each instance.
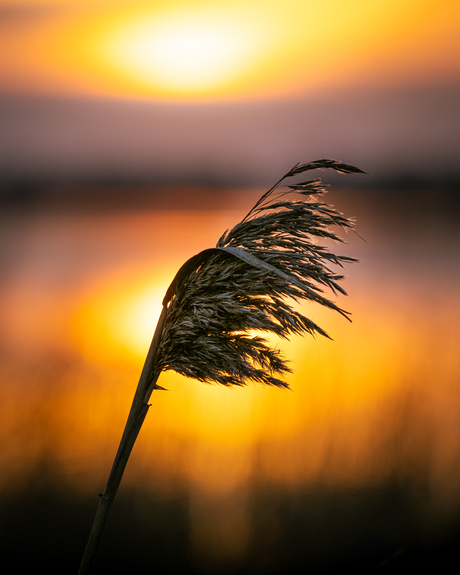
(398, 135)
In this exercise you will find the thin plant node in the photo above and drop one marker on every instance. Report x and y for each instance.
(248, 283)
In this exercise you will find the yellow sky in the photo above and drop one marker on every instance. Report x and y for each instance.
(189, 50)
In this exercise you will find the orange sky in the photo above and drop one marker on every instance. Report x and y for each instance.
(203, 50)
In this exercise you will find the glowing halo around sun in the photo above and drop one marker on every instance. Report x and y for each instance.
(181, 51)
(181, 54)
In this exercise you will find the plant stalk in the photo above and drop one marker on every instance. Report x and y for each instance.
(139, 409)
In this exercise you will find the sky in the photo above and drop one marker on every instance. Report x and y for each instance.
(119, 90)
(223, 50)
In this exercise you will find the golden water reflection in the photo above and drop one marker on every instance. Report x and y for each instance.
(80, 305)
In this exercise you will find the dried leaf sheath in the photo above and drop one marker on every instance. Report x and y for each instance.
(249, 281)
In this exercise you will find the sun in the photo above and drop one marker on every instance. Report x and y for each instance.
(182, 54)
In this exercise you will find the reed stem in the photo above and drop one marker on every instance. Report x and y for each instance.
(139, 409)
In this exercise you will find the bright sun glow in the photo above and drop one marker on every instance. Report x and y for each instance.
(181, 54)
(184, 51)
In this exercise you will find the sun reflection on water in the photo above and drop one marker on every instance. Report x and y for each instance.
(117, 319)
(379, 401)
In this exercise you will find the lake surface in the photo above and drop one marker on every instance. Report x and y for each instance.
(358, 464)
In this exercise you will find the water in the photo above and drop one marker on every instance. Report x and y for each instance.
(359, 462)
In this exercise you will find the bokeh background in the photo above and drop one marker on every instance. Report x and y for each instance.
(132, 134)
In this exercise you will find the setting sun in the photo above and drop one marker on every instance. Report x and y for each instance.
(224, 51)
(179, 53)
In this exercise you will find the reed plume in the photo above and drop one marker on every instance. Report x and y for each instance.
(248, 283)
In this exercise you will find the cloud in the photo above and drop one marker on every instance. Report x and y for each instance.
(409, 134)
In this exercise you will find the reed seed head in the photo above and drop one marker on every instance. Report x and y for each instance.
(249, 282)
